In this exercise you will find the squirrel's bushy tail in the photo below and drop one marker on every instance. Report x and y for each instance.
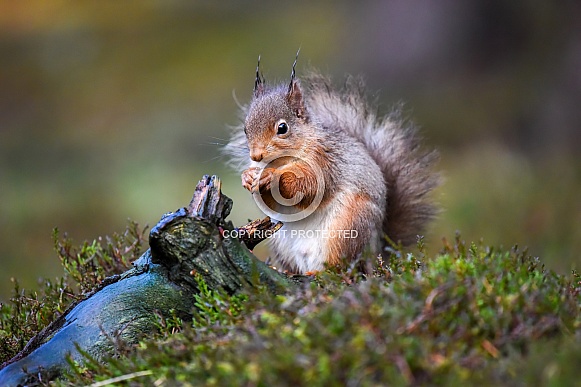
(393, 143)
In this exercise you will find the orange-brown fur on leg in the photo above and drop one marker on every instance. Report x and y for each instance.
(363, 211)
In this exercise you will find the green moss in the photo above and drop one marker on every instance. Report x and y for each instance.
(215, 307)
(91, 263)
(470, 314)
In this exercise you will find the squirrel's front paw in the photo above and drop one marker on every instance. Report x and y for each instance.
(256, 180)
(249, 176)
(263, 183)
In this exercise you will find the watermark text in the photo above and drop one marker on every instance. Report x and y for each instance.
(319, 234)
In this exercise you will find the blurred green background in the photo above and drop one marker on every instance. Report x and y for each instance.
(113, 110)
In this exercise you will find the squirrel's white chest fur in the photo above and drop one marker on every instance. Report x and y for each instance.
(304, 245)
(299, 245)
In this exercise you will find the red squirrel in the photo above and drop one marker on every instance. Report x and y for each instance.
(339, 177)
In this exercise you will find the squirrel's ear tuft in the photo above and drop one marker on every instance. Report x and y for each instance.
(295, 99)
(294, 95)
(259, 81)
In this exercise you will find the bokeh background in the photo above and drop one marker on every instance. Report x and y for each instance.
(113, 110)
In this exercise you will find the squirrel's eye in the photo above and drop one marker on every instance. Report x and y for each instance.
(282, 128)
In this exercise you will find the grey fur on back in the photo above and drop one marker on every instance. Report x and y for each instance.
(393, 144)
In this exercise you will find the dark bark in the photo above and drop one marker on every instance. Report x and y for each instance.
(184, 243)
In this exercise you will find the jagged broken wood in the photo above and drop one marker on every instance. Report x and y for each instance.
(255, 232)
(183, 244)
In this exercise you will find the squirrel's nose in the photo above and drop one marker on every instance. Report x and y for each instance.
(256, 155)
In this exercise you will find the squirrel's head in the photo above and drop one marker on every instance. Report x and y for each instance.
(276, 118)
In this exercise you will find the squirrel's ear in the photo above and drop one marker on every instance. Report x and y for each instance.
(258, 88)
(259, 81)
(294, 95)
(295, 99)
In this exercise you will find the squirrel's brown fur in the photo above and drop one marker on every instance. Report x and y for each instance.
(376, 177)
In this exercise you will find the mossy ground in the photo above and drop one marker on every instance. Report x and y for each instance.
(471, 314)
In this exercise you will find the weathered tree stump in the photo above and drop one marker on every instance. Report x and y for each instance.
(183, 243)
